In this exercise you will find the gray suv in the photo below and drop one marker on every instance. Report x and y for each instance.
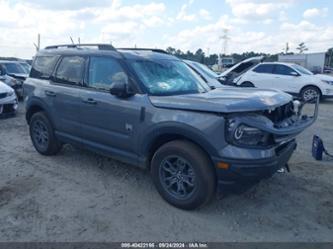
(149, 109)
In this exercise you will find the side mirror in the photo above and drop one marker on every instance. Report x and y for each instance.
(294, 74)
(120, 87)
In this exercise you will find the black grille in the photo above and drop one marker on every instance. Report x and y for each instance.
(3, 95)
(7, 109)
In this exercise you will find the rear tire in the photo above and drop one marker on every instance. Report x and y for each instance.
(183, 174)
(310, 92)
(42, 135)
(247, 84)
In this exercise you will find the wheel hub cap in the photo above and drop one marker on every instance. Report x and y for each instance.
(177, 177)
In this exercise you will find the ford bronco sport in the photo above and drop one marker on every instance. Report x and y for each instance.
(148, 108)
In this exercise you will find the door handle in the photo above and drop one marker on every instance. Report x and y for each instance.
(89, 101)
(50, 93)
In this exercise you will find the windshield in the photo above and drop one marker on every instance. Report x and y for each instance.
(168, 77)
(14, 68)
(25, 67)
(205, 70)
(301, 69)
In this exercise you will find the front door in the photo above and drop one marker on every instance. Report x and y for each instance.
(108, 122)
(285, 78)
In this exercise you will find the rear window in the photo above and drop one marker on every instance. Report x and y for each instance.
(265, 68)
(70, 70)
(43, 67)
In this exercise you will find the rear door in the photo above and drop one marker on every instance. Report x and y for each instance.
(261, 76)
(66, 89)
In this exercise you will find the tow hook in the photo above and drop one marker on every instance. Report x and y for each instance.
(284, 169)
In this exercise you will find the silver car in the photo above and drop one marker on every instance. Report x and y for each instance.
(8, 101)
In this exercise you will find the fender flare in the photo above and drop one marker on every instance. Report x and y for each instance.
(173, 128)
(39, 103)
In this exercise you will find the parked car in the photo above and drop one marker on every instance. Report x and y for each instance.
(15, 70)
(148, 108)
(206, 73)
(25, 66)
(9, 80)
(8, 101)
(288, 77)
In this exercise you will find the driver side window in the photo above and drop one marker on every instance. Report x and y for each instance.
(105, 71)
(284, 70)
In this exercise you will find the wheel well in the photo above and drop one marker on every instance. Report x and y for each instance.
(247, 83)
(165, 138)
(311, 86)
(31, 111)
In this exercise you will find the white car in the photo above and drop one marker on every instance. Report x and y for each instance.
(291, 78)
(8, 101)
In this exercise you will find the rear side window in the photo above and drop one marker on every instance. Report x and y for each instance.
(43, 67)
(284, 70)
(264, 68)
(104, 71)
(70, 70)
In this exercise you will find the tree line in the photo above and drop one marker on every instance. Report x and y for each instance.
(211, 59)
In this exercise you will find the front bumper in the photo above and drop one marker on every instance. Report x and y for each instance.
(8, 106)
(244, 172)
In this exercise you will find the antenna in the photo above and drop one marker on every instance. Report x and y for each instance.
(71, 39)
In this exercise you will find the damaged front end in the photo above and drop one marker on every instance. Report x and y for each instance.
(269, 128)
(261, 143)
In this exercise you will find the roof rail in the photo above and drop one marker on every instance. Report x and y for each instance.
(98, 45)
(146, 49)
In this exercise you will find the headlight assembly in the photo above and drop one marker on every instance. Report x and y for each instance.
(330, 82)
(11, 93)
(243, 135)
(13, 82)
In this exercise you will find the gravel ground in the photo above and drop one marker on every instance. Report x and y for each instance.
(80, 196)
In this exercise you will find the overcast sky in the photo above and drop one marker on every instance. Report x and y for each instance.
(254, 25)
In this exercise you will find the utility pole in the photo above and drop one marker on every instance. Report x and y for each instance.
(287, 48)
(37, 46)
(225, 38)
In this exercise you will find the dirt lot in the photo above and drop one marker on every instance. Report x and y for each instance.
(80, 196)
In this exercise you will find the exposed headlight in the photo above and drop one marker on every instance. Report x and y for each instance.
(11, 93)
(243, 135)
(330, 82)
(13, 82)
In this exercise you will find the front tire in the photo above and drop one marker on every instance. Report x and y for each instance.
(183, 174)
(42, 135)
(310, 92)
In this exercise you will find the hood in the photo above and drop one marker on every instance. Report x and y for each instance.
(225, 100)
(242, 67)
(4, 88)
(324, 77)
(20, 76)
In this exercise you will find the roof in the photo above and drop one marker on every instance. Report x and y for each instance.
(5, 61)
(107, 50)
(278, 62)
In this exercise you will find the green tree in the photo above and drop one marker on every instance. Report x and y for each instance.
(301, 48)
